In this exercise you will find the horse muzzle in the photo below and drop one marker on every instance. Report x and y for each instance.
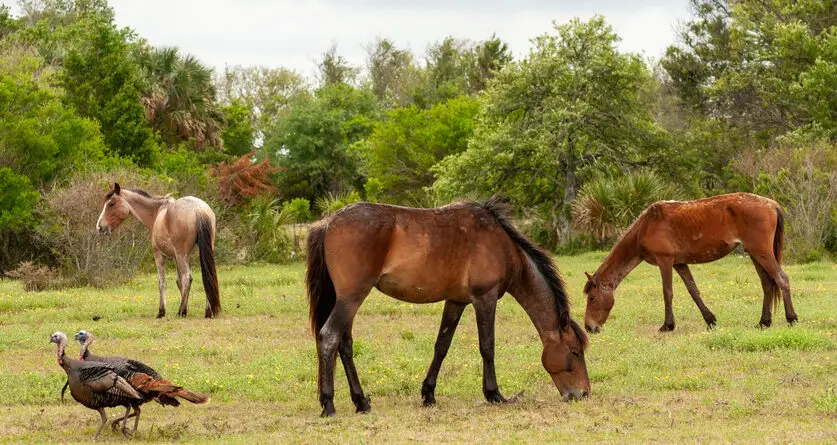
(103, 229)
(576, 395)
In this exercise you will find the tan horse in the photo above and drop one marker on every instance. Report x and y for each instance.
(176, 227)
(462, 254)
(672, 234)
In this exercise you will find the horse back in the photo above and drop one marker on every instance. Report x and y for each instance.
(706, 229)
(176, 227)
(417, 255)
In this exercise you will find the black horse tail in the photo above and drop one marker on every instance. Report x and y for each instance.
(321, 293)
(779, 237)
(778, 243)
(208, 273)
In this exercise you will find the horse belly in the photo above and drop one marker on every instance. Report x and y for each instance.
(415, 287)
(707, 252)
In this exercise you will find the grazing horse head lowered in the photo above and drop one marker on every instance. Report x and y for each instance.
(673, 234)
(176, 226)
(463, 253)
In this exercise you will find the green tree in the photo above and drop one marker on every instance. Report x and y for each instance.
(488, 58)
(267, 92)
(98, 74)
(573, 106)
(40, 137)
(392, 73)
(179, 98)
(766, 67)
(239, 136)
(311, 144)
(401, 149)
(445, 75)
(333, 69)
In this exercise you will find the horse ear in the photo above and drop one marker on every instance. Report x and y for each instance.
(589, 277)
(116, 188)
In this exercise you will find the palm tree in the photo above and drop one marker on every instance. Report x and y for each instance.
(179, 98)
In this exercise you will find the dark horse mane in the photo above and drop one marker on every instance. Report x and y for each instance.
(137, 191)
(499, 209)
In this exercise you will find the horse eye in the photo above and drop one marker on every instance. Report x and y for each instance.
(110, 205)
(576, 354)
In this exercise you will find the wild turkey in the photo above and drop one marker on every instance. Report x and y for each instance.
(142, 377)
(96, 385)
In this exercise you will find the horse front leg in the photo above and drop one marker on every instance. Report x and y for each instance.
(668, 294)
(184, 283)
(160, 261)
(691, 286)
(450, 320)
(485, 308)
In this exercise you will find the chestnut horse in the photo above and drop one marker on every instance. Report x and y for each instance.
(176, 227)
(464, 253)
(672, 235)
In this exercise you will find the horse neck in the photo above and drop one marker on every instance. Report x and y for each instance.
(621, 260)
(143, 208)
(535, 296)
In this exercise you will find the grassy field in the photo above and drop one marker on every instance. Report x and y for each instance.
(734, 384)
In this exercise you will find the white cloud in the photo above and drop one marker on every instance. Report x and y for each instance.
(294, 33)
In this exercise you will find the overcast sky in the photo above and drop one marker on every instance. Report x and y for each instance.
(294, 33)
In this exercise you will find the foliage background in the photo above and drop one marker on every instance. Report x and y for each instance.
(580, 135)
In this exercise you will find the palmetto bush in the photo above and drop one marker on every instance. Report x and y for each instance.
(333, 202)
(606, 206)
(268, 224)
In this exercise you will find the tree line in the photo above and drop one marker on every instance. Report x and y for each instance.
(579, 135)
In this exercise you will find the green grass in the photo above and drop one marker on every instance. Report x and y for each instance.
(734, 384)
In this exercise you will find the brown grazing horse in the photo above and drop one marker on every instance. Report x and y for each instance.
(464, 253)
(176, 226)
(671, 235)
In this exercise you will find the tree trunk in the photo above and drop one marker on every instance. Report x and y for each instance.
(564, 223)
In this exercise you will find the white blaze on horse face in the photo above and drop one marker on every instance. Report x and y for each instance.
(99, 227)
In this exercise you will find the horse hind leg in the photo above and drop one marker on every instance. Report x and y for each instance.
(330, 338)
(160, 261)
(451, 315)
(346, 352)
(184, 283)
(691, 286)
(776, 284)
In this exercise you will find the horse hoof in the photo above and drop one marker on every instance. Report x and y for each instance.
(765, 324)
(181, 314)
(710, 321)
(363, 408)
(429, 401)
(328, 413)
(792, 320)
(495, 397)
(667, 327)
(161, 314)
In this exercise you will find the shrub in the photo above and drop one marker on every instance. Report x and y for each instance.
(800, 174)
(331, 203)
(270, 240)
(373, 188)
(34, 278)
(298, 210)
(605, 207)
